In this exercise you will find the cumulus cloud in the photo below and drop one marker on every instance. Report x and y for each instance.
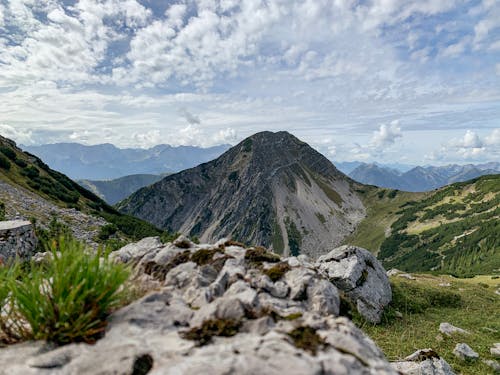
(470, 147)
(386, 135)
(18, 135)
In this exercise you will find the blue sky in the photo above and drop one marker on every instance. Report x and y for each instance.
(413, 81)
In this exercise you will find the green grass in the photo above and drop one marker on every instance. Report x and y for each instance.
(424, 305)
(381, 213)
(66, 299)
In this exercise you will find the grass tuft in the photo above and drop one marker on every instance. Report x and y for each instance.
(66, 299)
(210, 328)
(307, 339)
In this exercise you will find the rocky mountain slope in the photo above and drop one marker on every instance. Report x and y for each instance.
(271, 189)
(420, 178)
(104, 162)
(29, 189)
(114, 191)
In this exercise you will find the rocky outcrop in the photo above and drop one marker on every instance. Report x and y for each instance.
(361, 277)
(217, 309)
(17, 240)
(423, 362)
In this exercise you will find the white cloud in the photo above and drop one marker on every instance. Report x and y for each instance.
(386, 135)
(19, 135)
(470, 147)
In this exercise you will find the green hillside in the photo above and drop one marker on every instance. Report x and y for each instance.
(22, 169)
(454, 230)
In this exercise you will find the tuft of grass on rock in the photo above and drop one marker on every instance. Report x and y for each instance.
(68, 298)
(204, 256)
(210, 328)
(160, 271)
(307, 339)
(258, 254)
(277, 271)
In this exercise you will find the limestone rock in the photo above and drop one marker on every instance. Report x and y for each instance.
(494, 365)
(465, 352)
(17, 239)
(448, 330)
(423, 362)
(495, 350)
(361, 277)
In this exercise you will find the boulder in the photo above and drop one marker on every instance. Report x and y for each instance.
(494, 365)
(495, 350)
(361, 278)
(465, 352)
(17, 240)
(449, 330)
(423, 362)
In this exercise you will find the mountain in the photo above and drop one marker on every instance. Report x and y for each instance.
(271, 189)
(113, 191)
(29, 189)
(420, 178)
(105, 161)
(451, 230)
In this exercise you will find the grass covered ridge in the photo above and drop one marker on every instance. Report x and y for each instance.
(469, 304)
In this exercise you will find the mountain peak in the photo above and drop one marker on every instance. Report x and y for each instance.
(271, 189)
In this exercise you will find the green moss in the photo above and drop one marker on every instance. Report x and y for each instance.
(204, 256)
(294, 316)
(210, 328)
(277, 271)
(307, 339)
(259, 254)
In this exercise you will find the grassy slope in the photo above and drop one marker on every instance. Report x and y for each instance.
(382, 206)
(454, 230)
(32, 174)
(476, 310)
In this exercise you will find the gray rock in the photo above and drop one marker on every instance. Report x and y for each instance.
(465, 352)
(357, 273)
(134, 252)
(495, 350)
(449, 330)
(17, 240)
(423, 362)
(494, 365)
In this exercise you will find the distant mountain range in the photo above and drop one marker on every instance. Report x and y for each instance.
(420, 178)
(106, 161)
(113, 191)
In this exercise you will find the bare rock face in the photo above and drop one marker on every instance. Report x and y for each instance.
(449, 330)
(17, 239)
(423, 362)
(220, 309)
(361, 277)
(465, 352)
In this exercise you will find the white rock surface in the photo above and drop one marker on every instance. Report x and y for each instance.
(152, 330)
(17, 239)
(465, 352)
(495, 350)
(423, 362)
(361, 277)
(449, 330)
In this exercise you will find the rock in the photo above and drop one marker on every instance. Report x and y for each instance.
(17, 240)
(494, 365)
(423, 362)
(495, 350)
(215, 316)
(465, 352)
(361, 277)
(449, 330)
(134, 252)
(393, 272)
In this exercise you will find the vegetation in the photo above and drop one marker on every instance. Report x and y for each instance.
(259, 254)
(65, 299)
(277, 271)
(210, 328)
(424, 304)
(307, 339)
(454, 230)
(2, 211)
(4, 163)
(294, 237)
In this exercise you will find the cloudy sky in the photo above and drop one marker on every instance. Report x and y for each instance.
(413, 81)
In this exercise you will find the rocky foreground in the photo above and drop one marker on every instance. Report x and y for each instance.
(227, 309)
